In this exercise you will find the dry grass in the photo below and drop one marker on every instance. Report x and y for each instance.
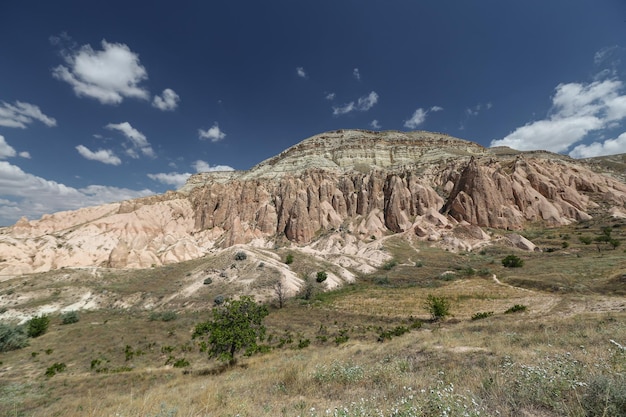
(554, 359)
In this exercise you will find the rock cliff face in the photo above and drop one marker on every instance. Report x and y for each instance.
(358, 183)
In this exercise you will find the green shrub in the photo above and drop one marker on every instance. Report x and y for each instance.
(321, 276)
(438, 307)
(512, 261)
(387, 266)
(12, 337)
(388, 334)
(168, 316)
(483, 315)
(342, 337)
(448, 276)
(381, 281)
(565, 244)
(207, 281)
(55, 368)
(517, 308)
(37, 326)
(179, 363)
(585, 239)
(289, 259)
(483, 272)
(69, 317)
(219, 300)
(163, 316)
(605, 395)
(303, 343)
(241, 256)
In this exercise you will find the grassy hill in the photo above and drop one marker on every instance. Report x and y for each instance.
(369, 348)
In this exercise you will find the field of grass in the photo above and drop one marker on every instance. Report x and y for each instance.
(367, 349)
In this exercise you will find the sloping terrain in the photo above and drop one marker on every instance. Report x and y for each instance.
(336, 191)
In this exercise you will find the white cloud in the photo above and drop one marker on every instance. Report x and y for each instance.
(608, 147)
(138, 140)
(363, 104)
(6, 150)
(375, 124)
(24, 154)
(436, 108)
(357, 74)
(477, 109)
(417, 119)
(22, 114)
(105, 156)
(168, 100)
(329, 96)
(214, 133)
(577, 109)
(301, 73)
(108, 75)
(179, 179)
(28, 195)
(173, 178)
(202, 166)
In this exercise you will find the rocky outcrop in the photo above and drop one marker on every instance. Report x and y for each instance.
(365, 184)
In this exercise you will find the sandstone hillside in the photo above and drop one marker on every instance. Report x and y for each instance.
(335, 194)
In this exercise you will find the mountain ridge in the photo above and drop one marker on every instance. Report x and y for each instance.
(347, 187)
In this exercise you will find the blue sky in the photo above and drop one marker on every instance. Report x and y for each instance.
(104, 101)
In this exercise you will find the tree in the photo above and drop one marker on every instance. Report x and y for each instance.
(321, 276)
(12, 337)
(279, 291)
(37, 326)
(512, 261)
(438, 307)
(236, 325)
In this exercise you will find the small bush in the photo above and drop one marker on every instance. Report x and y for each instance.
(338, 372)
(37, 326)
(388, 266)
(448, 276)
(163, 316)
(381, 281)
(241, 256)
(438, 307)
(512, 261)
(308, 290)
(219, 300)
(483, 272)
(321, 276)
(180, 363)
(565, 244)
(289, 259)
(342, 337)
(517, 308)
(55, 368)
(585, 239)
(469, 271)
(12, 337)
(303, 343)
(207, 281)
(483, 315)
(69, 317)
(389, 334)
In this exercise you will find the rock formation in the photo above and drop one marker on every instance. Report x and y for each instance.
(358, 183)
